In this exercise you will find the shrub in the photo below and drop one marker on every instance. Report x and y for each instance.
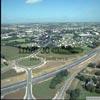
(97, 73)
(58, 79)
(91, 65)
(74, 94)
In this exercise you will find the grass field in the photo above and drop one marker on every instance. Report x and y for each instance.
(42, 90)
(11, 53)
(29, 62)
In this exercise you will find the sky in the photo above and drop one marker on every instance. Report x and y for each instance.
(23, 11)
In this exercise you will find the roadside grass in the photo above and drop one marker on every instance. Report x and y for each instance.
(43, 91)
(11, 53)
(29, 62)
(9, 74)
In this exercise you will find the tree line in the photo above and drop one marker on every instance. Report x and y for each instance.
(62, 50)
(27, 49)
(58, 79)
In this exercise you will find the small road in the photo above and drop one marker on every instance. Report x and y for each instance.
(19, 85)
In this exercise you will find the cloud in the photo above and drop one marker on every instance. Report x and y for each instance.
(32, 1)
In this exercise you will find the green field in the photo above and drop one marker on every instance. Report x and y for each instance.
(29, 62)
(11, 53)
(84, 93)
(42, 90)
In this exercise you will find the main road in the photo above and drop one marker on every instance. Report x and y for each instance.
(7, 89)
(61, 93)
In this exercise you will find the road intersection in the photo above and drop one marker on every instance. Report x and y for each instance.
(22, 84)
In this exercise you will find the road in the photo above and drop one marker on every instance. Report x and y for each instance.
(29, 94)
(61, 93)
(19, 85)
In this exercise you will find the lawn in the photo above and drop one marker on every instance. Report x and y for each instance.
(42, 90)
(29, 62)
(11, 53)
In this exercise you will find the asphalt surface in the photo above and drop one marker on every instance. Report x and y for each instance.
(22, 84)
(29, 94)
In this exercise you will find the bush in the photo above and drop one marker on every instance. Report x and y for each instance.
(90, 87)
(97, 73)
(94, 79)
(58, 79)
(97, 90)
(91, 65)
(98, 65)
(74, 94)
(81, 77)
(6, 63)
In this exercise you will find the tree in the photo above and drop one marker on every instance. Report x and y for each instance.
(19, 47)
(94, 79)
(81, 77)
(97, 73)
(98, 65)
(58, 79)
(74, 94)
(97, 90)
(91, 65)
(90, 87)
